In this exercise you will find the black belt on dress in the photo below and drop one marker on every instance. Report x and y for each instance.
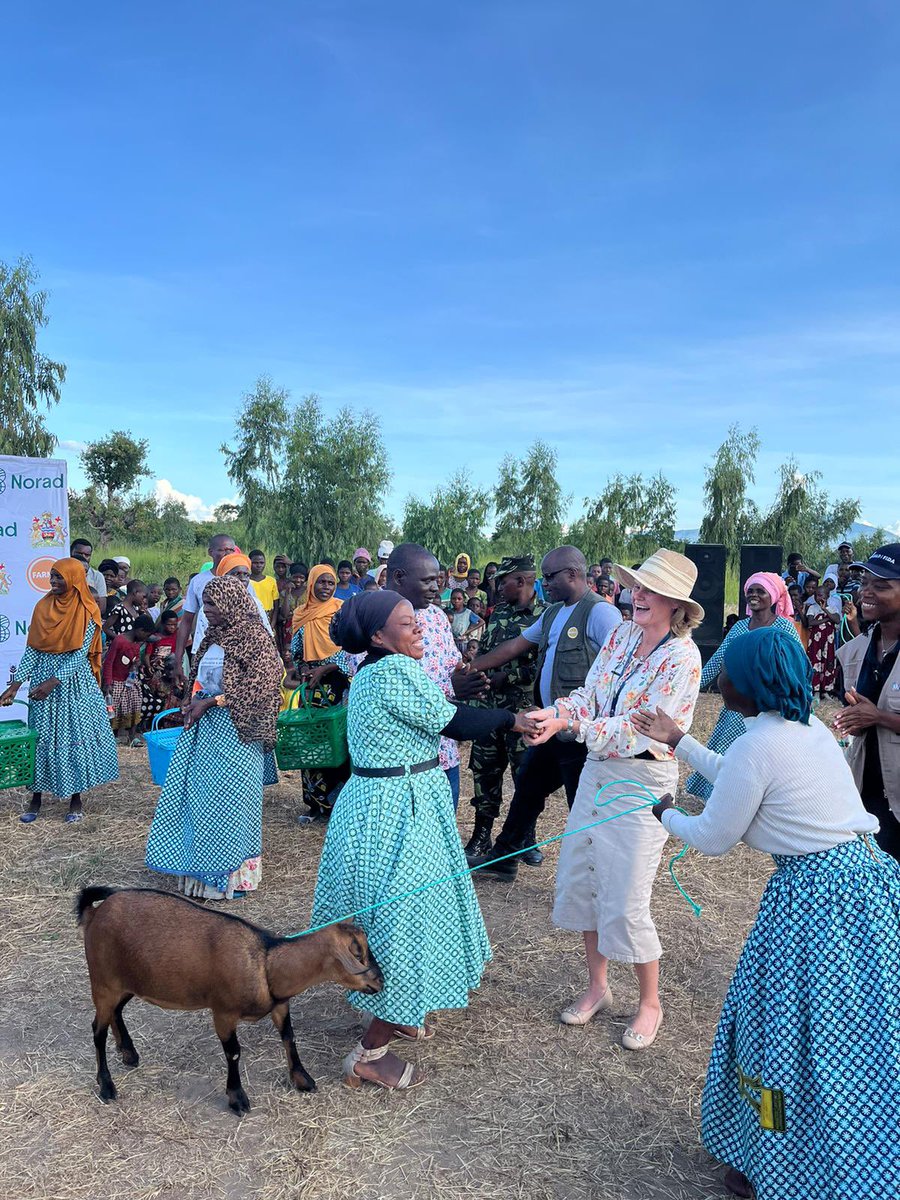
(646, 754)
(395, 772)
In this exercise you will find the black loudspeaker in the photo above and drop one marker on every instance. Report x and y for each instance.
(709, 590)
(759, 558)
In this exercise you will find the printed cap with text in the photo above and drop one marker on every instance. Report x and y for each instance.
(883, 562)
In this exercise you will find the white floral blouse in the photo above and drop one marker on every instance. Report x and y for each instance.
(619, 684)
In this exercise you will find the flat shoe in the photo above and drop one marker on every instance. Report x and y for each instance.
(576, 1016)
(641, 1041)
(27, 818)
(71, 818)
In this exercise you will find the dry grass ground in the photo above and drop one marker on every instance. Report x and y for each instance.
(517, 1107)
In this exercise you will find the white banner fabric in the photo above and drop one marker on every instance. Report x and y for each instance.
(34, 531)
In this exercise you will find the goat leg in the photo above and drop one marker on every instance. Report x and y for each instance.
(299, 1076)
(120, 1032)
(100, 1028)
(226, 1028)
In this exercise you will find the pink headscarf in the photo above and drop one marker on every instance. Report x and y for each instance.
(777, 589)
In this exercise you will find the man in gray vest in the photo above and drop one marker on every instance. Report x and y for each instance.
(568, 637)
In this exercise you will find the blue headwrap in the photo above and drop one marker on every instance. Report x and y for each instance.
(770, 667)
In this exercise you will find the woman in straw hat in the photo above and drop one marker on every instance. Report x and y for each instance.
(605, 875)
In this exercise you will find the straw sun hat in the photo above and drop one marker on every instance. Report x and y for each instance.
(666, 573)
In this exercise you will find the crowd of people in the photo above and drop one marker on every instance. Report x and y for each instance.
(574, 676)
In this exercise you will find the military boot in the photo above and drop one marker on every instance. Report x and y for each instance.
(479, 843)
(531, 858)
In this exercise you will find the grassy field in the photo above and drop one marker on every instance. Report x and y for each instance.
(516, 1105)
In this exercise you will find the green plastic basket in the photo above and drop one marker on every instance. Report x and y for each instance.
(17, 743)
(311, 738)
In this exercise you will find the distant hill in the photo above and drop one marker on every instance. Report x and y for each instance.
(857, 529)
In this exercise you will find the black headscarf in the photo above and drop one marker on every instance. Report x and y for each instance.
(360, 618)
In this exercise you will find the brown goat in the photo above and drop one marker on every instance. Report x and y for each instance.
(176, 954)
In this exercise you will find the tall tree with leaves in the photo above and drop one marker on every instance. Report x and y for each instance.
(451, 521)
(529, 502)
(803, 517)
(628, 520)
(309, 485)
(28, 379)
(110, 505)
(731, 518)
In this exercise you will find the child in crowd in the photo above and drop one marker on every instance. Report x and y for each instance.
(121, 686)
(477, 606)
(154, 592)
(156, 684)
(795, 592)
(347, 586)
(821, 620)
(174, 600)
(472, 650)
(462, 619)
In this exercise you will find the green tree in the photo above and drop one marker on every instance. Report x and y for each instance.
(529, 502)
(111, 505)
(308, 485)
(451, 522)
(803, 517)
(731, 518)
(628, 520)
(28, 378)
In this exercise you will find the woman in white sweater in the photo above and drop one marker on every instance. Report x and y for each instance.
(802, 1094)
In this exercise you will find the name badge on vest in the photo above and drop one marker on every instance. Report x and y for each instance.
(572, 632)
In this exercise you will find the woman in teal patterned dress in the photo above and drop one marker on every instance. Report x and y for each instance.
(393, 830)
(76, 749)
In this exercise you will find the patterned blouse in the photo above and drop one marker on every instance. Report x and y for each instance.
(619, 684)
(440, 660)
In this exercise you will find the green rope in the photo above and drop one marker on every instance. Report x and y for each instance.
(645, 792)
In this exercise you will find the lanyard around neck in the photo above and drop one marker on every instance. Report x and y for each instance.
(628, 674)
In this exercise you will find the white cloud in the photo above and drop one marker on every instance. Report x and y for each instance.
(197, 509)
(66, 444)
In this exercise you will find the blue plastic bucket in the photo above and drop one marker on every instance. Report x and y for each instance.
(160, 745)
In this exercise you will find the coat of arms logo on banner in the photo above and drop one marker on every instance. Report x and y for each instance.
(47, 530)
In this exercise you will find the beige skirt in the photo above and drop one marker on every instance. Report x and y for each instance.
(605, 875)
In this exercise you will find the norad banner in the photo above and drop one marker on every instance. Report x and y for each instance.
(34, 531)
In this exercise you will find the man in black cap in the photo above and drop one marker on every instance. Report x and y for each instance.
(870, 688)
(512, 688)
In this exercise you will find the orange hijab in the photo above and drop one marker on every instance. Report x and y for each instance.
(315, 618)
(59, 623)
(230, 561)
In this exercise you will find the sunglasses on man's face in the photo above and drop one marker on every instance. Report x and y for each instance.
(553, 574)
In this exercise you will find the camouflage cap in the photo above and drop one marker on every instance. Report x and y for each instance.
(524, 563)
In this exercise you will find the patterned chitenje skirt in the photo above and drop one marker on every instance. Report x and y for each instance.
(803, 1088)
(208, 820)
(820, 652)
(124, 703)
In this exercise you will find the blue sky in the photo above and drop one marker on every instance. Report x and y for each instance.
(619, 227)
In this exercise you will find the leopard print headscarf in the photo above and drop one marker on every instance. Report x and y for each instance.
(252, 672)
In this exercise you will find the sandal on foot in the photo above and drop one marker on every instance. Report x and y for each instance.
(577, 1016)
(71, 817)
(359, 1054)
(423, 1033)
(641, 1041)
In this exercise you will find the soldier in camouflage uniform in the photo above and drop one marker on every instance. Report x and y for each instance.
(511, 687)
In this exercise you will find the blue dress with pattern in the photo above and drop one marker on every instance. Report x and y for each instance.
(208, 819)
(76, 749)
(730, 725)
(389, 836)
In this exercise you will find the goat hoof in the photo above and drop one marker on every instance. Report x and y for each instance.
(130, 1058)
(108, 1092)
(303, 1082)
(238, 1102)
